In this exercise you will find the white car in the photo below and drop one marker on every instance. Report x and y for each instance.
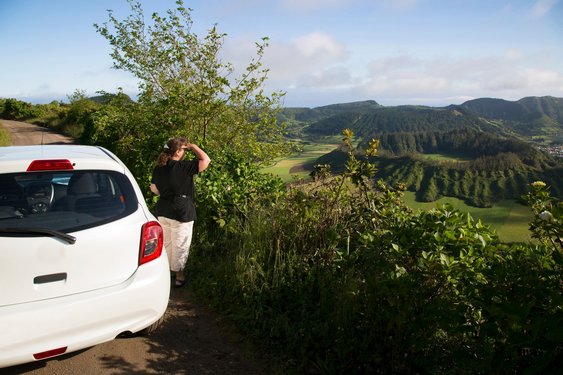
(81, 256)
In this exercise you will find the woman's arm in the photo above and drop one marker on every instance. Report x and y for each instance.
(201, 155)
(154, 189)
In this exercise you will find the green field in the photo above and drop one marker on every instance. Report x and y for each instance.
(291, 167)
(510, 219)
(444, 157)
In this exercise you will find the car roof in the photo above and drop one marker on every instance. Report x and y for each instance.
(18, 158)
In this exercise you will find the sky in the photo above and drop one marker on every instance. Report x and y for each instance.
(321, 52)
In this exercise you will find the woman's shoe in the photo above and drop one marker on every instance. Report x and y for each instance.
(179, 283)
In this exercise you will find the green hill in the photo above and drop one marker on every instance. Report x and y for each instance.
(370, 124)
(483, 149)
(298, 119)
(530, 118)
(480, 182)
(537, 118)
(525, 109)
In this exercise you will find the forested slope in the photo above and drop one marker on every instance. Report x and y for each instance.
(488, 141)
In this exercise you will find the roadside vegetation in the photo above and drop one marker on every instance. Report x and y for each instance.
(5, 139)
(335, 275)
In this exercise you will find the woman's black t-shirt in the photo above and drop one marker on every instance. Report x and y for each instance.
(175, 184)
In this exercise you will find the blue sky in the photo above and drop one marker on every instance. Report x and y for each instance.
(428, 52)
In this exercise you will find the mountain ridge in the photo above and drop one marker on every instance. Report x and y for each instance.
(532, 118)
(501, 140)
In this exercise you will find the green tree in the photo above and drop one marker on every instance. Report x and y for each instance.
(186, 88)
(548, 216)
(13, 109)
(78, 114)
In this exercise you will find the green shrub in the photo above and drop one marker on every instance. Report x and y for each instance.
(14, 109)
(338, 276)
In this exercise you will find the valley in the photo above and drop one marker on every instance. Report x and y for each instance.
(480, 157)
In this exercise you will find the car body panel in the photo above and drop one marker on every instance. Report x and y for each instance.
(84, 319)
(113, 260)
(82, 285)
(18, 158)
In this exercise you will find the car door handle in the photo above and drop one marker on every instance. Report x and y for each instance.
(54, 277)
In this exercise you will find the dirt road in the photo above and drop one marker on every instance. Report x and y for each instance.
(28, 134)
(191, 341)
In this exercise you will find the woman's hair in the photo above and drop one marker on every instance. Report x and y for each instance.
(170, 148)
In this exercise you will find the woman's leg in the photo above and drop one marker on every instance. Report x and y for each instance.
(167, 226)
(183, 240)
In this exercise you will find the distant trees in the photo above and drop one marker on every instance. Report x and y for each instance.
(13, 109)
(463, 142)
(53, 115)
(480, 182)
(407, 119)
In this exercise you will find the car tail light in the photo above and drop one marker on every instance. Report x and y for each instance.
(151, 242)
(50, 353)
(50, 165)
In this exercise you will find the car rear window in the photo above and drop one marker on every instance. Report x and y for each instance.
(64, 201)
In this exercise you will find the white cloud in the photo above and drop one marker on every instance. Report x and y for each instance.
(315, 69)
(318, 44)
(541, 7)
(406, 78)
(543, 78)
(304, 61)
(333, 78)
(40, 87)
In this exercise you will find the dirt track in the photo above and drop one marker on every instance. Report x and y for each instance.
(191, 341)
(28, 134)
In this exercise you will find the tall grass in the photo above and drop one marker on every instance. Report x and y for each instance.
(5, 139)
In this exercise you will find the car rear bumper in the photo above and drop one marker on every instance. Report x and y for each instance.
(88, 318)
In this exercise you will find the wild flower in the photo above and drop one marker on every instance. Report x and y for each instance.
(538, 184)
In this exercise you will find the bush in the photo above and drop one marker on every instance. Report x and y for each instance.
(14, 109)
(338, 276)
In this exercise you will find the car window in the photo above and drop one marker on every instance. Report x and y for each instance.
(64, 201)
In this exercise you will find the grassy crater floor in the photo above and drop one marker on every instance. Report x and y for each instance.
(509, 218)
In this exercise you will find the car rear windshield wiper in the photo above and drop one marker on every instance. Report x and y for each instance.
(48, 232)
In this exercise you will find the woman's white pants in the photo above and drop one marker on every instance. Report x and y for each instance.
(177, 241)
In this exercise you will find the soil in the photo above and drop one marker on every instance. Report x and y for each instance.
(192, 340)
(24, 134)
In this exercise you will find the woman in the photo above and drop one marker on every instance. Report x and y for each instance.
(173, 181)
